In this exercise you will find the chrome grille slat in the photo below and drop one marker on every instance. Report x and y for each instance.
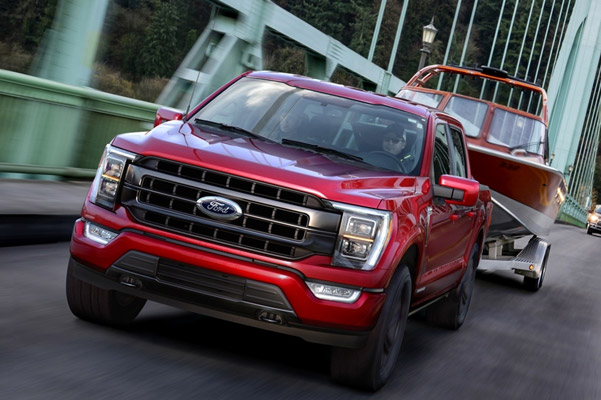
(166, 199)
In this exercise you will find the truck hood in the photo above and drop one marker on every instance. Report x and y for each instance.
(325, 176)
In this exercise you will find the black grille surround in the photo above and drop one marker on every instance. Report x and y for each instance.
(275, 221)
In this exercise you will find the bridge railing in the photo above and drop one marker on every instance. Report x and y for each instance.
(572, 212)
(55, 130)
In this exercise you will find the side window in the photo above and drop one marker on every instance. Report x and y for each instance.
(458, 153)
(441, 161)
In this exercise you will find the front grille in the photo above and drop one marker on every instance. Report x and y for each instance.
(279, 223)
(257, 217)
(227, 181)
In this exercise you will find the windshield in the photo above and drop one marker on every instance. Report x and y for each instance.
(425, 98)
(598, 210)
(293, 116)
(470, 112)
(517, 132)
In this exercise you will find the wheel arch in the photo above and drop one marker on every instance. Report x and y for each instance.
(411, 260)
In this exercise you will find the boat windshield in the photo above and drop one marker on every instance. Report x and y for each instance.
(425, 98)
(516, 131)
(470, 112)
(331, 125)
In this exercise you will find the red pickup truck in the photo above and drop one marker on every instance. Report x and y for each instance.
(281, 202)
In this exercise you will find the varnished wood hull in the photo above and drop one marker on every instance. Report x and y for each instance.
(527, 195)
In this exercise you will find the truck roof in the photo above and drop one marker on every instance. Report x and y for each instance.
(343, 91)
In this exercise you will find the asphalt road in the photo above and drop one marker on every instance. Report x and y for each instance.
(514, 344)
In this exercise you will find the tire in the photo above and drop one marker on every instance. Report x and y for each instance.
(533, 284)
(589, 231)
(450, 312)
(369, 367)
(98, 305)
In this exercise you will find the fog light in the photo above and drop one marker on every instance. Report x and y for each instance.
(98, 234)
(335, 293)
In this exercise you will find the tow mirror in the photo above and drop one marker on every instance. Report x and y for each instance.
(167, 114)
(457, 190)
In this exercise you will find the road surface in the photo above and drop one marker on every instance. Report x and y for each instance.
(514, 344)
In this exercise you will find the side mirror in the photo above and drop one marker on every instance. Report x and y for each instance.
(457, 190)
(167, 114)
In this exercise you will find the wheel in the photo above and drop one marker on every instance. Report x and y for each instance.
(451, 311)
(369, 367)
(386, 160)
(589, 231)
(533, 284)
(94, 304)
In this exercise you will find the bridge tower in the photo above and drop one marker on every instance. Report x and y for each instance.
(574, 106)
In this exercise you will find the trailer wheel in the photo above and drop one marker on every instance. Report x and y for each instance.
(369, 367)
(451, 311)
(533, 284)
(98, 305)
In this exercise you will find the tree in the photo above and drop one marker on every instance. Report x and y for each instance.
(161, 52)
(597, 181)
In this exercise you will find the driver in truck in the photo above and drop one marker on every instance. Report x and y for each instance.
(394, 141)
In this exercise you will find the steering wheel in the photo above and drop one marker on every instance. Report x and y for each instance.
(387, 160)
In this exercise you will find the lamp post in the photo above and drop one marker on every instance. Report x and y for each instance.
(428, 35)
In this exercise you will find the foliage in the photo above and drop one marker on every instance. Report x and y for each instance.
(149, 38)
(158, 55)
(112, 81)
(280, 56)
(19, 59)
(597, 182)
(23, 22)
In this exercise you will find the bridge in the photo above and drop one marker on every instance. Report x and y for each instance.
(54, 126)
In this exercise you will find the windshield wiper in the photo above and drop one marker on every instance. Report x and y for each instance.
(320, 149)
(525, 146)
(230, 128)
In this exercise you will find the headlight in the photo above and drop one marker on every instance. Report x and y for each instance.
(593, 218)
(109, 175)
(362, 237)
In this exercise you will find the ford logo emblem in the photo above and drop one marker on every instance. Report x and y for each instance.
(219, 208)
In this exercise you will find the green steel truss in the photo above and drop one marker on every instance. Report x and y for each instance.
(232, 44)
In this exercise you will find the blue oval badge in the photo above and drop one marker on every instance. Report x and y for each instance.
(219, 208)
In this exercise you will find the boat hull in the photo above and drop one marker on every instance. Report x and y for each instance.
(527, 195)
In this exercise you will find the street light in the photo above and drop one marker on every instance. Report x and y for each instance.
(428, 35)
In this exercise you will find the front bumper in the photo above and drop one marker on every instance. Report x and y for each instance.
(222, 285)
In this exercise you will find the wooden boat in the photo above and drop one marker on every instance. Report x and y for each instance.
(506, 124)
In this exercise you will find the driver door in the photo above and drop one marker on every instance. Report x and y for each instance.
(450, 225)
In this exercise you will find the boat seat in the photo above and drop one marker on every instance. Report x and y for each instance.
(322, 129)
